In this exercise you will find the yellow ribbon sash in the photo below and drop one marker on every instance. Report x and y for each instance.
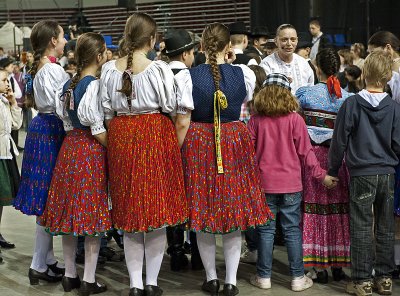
(220, 101)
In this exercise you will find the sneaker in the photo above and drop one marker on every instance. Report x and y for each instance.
(359, 289)
(383, 286)
(262, 283)
(301, 283)
(249, 256)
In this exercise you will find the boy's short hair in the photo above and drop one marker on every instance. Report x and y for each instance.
(315, 22)
(377, 69)
(237, 39)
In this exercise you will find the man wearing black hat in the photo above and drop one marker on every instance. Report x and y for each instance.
(179, 48)
(303, 49)
(260, 37)
(239, 42)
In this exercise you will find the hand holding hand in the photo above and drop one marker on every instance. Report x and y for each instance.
(330, 182)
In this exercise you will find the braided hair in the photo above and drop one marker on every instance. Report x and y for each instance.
(139, 29)
(214, 39)
(41, 35)
(328, 61)
(88, 46)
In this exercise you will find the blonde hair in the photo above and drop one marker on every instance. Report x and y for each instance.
(377, 68)
(273, 101)
(237, 39)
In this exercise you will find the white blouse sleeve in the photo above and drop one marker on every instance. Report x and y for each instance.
(54, 81)
(249, 81)
(90, 112)
(162, 81)
(16, 117)
(105, 83)
(61, 111)
(184, 88)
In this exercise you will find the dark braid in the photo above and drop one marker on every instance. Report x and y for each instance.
(328, 61)
(30, 99)
(126, 78)
(212, 58)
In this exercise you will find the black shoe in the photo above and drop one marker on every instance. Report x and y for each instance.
(5, 244)
(87, 289)
(322, 277)
(150, 290)
(70, 283)
(178, 260)
(338, 274)
(136, 292)
(230, 290)
(35, 276)
(111, 255)
(55, 269)
(197, 264)
(211, 287)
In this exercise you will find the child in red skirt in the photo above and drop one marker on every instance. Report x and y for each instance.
(78, 203)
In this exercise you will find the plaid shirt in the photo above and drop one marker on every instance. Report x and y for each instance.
(245, 113)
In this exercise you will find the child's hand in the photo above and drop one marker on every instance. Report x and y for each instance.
(330, 182)
(230, 56)
(10, 96)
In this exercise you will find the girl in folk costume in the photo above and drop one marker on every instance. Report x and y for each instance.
(283, 149)
(326, 228)
(146, 176)
(222, 180)
(10, 119)
(43, 141)
(77, 204)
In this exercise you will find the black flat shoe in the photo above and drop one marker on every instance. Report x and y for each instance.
(87, 289)
(6, 245)
(322, 277)
(70, 283)
(136, 292)
(150, 290)
(35, 276)
(230, 290)
(55, 269)
(178, 260)
(211, 287)
(338, 274)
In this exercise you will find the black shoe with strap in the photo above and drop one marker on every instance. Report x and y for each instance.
(35, 276)
(70, 283)
(230, 290)
(211, 287)
(5, 244)
(55, 269)
(151, 290)
(87, 289)
(136, 292)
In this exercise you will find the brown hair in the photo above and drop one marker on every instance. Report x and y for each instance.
(359, 48)
(214, 39)
(88, 46)
(273, 101)
(377, 69)
(381, 38)
(346, 55)
(315, 22)
(41, 35)
(139, 29)
(260, 78)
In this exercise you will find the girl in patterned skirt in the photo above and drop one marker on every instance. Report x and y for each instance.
(10, 119)
(221, 175)
(77, 204)
(43, 141)
(146, 177)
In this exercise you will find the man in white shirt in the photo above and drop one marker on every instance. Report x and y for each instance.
(286, 62)
(319, 40)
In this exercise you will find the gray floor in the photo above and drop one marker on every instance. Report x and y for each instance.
(19, 229)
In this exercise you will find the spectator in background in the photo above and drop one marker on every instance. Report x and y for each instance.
(353, 76)
(109, 54)
(319, 41)
(260, 38)
(239, 42)
(71, 68)
(270, 47)
(346, 59)
(303, 49)
(2, 53)
(358, 51)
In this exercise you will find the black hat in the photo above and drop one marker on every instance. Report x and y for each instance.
(303, 44)
(260, 32)
(178, 41)
(238, 28)
(4, 63)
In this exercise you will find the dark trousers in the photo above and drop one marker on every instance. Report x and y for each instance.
(175, 239)
(371, 205)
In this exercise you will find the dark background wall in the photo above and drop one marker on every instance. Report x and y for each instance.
(349, 17)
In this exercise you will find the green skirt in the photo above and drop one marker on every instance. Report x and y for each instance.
(9, 180)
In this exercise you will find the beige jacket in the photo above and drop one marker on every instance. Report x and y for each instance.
(10, 119)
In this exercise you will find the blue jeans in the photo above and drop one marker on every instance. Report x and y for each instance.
(289, 206)
(371, 205)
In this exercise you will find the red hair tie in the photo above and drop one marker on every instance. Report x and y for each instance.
(334, 86)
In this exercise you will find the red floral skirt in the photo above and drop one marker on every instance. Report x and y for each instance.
(146, 176)
(78, 200)
(221, 203)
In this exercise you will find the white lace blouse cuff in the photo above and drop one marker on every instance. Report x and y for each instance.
(97, 128)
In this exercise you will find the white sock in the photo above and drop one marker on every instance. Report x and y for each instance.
(154, 247)
(232, 243)
(134, 253)
(43, 243)
(92, 248)
(70, 244)
(50, 258)
(397, 252)
(206, 244)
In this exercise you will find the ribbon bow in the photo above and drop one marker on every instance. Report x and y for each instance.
(220, 101)
(28, 84)
(69, 99)
(333, 85)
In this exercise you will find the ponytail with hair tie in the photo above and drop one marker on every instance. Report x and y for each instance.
(333, 85)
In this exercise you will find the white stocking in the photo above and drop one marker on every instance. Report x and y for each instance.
(134, 254)
(206, 244)
(43, 243)
(92, 248)
(154, 251)
(232, 244)
(70, 244)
